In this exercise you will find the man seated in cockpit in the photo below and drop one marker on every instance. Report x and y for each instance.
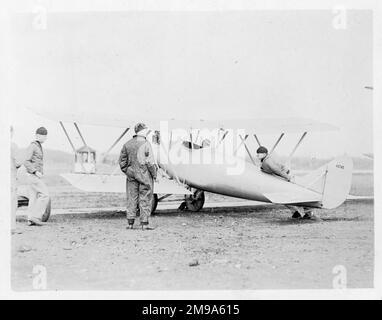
(272, 166)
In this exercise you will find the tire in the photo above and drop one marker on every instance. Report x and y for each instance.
(154, 204)
(195, 202)
(46, 215)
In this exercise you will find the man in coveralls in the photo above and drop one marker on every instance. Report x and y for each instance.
(39, 194)
(137, 162)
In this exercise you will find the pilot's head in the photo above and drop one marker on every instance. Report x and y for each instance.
(141, 129)
(41, 134)
(262, 152)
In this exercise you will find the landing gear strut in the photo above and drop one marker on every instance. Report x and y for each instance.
(154, 204)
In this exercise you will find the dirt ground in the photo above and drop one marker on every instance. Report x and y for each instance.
(235, 248)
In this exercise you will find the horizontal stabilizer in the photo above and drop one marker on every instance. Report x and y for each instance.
(304, 196)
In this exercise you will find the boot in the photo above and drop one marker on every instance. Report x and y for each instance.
(130, 225)
(307, 216)
(145, 226)
(35, 222)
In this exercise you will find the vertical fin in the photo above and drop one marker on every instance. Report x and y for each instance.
(333, 181)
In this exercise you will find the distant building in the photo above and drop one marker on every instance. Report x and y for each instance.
(85, 160)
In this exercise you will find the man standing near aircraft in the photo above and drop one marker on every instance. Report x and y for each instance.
(15, 164)
(34, 163)
(271, 166)
(137, 162)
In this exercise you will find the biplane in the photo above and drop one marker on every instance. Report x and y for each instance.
(229, 171)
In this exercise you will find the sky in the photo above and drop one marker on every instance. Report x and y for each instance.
(228, 64)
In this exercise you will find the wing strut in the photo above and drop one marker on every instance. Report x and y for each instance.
(257, 140)
(197, 137)
(277, 142)
(223, 137)
(246, 148)
(242, 142)
(108, 151)
(116, 141)
(79, 132)
(288, 161)
(170, 142)
(297, 145)
(191, 139)
(67, 135)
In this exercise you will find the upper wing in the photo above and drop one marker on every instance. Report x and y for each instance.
(279, 125)
(258, 126)
(107, 120)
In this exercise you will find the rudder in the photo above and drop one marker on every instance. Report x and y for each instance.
(337, 182)
(333, 181)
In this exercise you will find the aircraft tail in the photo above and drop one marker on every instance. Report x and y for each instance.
(332, 180)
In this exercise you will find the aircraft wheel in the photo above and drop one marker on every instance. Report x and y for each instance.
(46, 215)
(154, 204)
(196, 201)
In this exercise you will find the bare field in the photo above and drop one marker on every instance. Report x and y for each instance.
(362, 185)
(235, 247)
(246, 248)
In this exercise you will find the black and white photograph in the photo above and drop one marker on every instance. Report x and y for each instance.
(175, 149)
